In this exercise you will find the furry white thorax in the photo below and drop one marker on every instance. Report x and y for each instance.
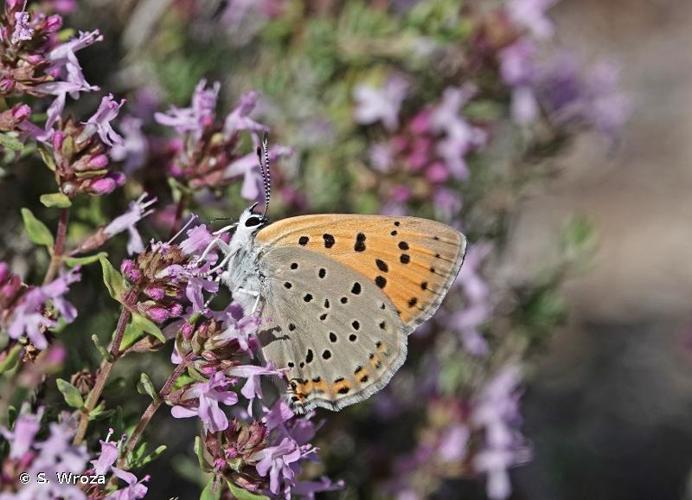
(241, 272)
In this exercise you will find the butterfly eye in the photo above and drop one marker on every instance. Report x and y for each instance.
(253, 221)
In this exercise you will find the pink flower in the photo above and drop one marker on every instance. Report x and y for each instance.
(495, 410)
(22, 28)
(139, 209)
(460, 136)
(28, 316)
(134, 148)
(21, 438)
(198, 116)
(247, 166)
(532, 15)
(109, 454)
(207, 396)
(100, 122)
(239, 118)
(375, 104)
(64, 61)
(134, 489)
(276, 461)
(252, 388)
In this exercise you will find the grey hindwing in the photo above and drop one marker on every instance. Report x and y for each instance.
(330, 327)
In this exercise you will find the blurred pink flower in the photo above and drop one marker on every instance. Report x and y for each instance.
(532, 15)
(460, 136)
(380, 104)
(198, 116)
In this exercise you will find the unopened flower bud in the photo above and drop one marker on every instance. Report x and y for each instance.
(58, 138)
(103, 186)
(6, 85)
(21, 112)
(155, 292)
(176, 309)
(131, 271)
(99, 161)
(158, 314)
(54, 23)
(4, 271)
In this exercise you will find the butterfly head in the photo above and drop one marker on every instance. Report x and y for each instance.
(249, 223)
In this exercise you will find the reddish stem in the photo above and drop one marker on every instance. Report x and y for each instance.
(58, 247)
(152, 408)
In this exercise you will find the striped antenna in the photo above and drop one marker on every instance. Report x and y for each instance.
(263, 155)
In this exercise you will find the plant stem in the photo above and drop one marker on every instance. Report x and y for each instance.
(105, 368)
(58, 247)
(151, 409)
(179, 211)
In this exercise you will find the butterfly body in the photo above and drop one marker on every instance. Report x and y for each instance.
(338, 295)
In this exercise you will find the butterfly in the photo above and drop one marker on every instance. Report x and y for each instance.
(338, 294)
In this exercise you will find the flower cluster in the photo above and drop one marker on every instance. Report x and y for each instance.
(30, 311)
(206, 153)
(79, 156)
(60, 463)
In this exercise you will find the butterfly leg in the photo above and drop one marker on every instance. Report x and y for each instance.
(251, 293)
(221, 245)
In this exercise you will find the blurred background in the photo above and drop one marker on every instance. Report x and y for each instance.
(573, 193)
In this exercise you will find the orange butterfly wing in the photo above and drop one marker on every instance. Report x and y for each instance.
(413, 261)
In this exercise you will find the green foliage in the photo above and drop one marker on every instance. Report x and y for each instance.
(139, 326)
(37, 231)
(11, 360)
(114, 281)
(243, 494)
(71, 394)
(146, 387)
(55, 200)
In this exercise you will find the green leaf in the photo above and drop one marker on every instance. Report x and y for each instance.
(100, 412)
(55, 200)
(11, 141)
(12, 359)
(85, 260)
(148, 326)
(243, 494)
(212, 491)
(101, 349)
(146, 387)
(153, 455)
(71, 394)
(36, 230)
(201, 456)
(47, 158)
(113, 280)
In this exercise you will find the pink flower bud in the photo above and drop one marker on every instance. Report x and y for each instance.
(176, 310)
(118, 177)
(56, 355)
(158, 314)
(54, 23)
(186, 330)
(34, 59)
(103, 186)
(437, 172)
(98, 161)
(58, 139)
(6, 85)
(155, 292)
(4, 271)
(21, 112)
(130, 270)
(14, 4)
(10, 289)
